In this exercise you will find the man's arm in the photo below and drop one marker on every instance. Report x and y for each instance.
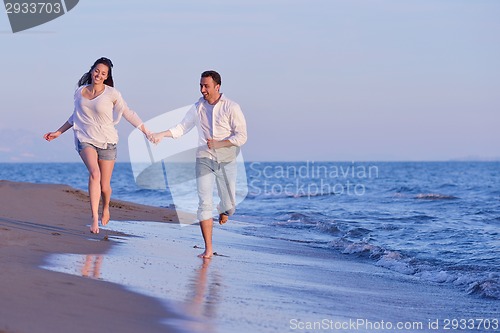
(187, 123)
(214, 144)
(238, 127)
(157, 137)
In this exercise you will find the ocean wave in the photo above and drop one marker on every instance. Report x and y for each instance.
(263, 195)
(358, 232)
(328, 228)
(435, 196)
(359, 248)
(390, 227)
(295, 220)
(297, 217)
(395, 261)
(307, 218)
(402, 189)
(423, 196)
(473, 280)
(448, 185)
(489, 288)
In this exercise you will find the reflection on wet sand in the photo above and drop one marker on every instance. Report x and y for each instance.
(92, 266)
(157, 261)
(204, 289)
(201, 303)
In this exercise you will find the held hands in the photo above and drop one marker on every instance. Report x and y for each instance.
(152, 137)
(155, 137)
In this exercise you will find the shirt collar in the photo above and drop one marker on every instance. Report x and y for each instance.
(221, 99)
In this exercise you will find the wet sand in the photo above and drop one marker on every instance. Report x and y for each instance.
(269, 285)
(37, 220)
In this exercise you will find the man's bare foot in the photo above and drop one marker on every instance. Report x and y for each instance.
(223, 218)
(205, 255)
(94, 227)
(105, 216)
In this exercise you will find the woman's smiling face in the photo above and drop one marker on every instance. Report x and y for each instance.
(99, 74)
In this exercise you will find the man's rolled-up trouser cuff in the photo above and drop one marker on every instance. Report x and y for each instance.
(204, 215)
(230, 211)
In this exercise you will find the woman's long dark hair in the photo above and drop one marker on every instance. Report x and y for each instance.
(87, 77)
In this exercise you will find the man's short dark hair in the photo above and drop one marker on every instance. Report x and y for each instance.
(214, 75)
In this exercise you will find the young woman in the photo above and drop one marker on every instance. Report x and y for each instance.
(98, 108)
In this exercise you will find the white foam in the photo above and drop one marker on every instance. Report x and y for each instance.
(394, 261)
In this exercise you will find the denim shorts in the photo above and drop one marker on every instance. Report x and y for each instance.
(107, 154)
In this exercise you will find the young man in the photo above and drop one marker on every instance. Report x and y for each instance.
(221, 132)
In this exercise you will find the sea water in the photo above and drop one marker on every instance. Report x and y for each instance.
(437, 222)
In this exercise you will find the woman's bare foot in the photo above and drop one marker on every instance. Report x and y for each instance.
(105, 216)
(94, 227)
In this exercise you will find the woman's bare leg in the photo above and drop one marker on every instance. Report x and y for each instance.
(89, 157)
(106, 168)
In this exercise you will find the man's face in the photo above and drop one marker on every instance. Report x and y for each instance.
(209, 89)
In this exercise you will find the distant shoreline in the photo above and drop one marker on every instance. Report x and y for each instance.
(458, 160)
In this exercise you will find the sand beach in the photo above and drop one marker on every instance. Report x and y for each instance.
(38, 220)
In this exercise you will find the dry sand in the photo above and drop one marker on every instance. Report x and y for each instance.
(39, 219)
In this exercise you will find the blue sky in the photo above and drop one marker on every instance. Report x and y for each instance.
(317, 80)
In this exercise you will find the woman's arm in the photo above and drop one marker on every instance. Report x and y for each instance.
(157, 137)
(54, 135)
(121, 108)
